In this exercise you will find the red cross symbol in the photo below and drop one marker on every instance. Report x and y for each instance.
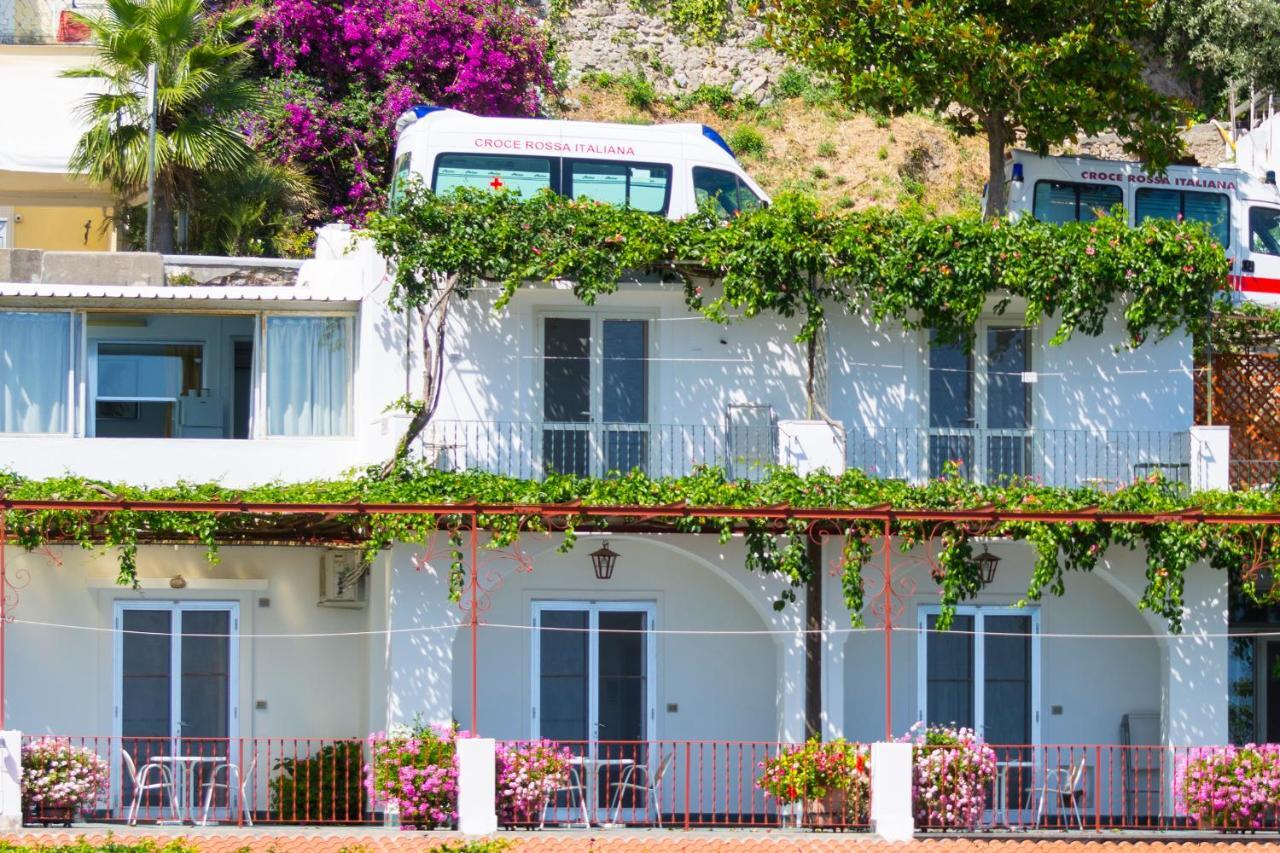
(496, 183)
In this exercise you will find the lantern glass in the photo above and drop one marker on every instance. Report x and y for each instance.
(987, 565)
(603, 560)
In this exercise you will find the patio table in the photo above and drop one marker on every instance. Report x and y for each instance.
(184, 767)
(591, 770)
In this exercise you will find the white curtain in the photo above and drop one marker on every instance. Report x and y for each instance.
(308, 376)
(34, 360)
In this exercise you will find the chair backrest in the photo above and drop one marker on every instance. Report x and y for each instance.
(1077, 774)
(129, 765)
(664, 764)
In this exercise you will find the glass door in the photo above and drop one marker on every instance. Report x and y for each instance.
(980, 406)
(595, 395)
(176, 665)
(983, 674)
(593, 691)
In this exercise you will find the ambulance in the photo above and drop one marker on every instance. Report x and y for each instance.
(1241, 210)
(664, 169)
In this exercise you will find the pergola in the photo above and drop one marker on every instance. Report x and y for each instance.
(331, 522)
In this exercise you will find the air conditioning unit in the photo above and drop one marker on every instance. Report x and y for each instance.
(343, 579)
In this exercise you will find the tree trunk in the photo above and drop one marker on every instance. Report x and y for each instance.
(997, 198)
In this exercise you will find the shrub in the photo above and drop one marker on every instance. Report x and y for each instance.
(747, 140)
(638, 91)
(810, 773)
(1233, 787)
(826, 148)
(57, 774)
(326, 786)
(527, 775)
(717, 97)
(952, 770)
(416, 770)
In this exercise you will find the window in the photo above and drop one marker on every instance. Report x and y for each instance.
(523, 175)
(1264, 230)
(1213, 209)
(981, 390)
(35, 361)
(643, 186)
(1068, 202)
(730, 194)
(139, 386)
(308, 376)
(398, 179)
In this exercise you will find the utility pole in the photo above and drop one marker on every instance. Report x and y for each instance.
(151, 152)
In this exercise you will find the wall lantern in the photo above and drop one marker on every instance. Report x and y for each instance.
(987, 565)
(602, 561)
(1264, 580)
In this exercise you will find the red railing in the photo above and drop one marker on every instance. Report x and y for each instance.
(313, 781)
(686, 784)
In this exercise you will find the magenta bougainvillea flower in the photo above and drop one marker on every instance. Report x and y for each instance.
(340, 72)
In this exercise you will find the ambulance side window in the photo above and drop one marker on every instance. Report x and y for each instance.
(1062, 201)
(730, 194)
(1264, 230)
(398, 179)
(1211, 208)
(522, 175)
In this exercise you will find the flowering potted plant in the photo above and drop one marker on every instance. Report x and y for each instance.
(952, 769)
(58, 780)
(528, 774)
(414, 770)
(831, 781)
(1232, 787)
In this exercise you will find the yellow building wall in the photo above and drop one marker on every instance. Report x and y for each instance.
(60, 229)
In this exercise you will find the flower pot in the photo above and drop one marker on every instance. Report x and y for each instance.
(828, 811)
(42, 813)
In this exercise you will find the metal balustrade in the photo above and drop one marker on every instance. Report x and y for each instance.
(1070, 458)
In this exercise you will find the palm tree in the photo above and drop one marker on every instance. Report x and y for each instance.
(202, 92)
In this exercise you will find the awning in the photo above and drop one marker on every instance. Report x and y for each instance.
(19, 294)
(42, 121)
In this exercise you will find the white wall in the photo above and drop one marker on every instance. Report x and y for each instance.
(61, 679)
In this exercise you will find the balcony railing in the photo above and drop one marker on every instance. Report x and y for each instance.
(536, 450)
(1055, 457)
(43, 21)
(688, 784)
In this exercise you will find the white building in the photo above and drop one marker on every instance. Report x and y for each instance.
(108, 372)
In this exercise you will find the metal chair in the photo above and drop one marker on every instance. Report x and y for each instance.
(141, 785)
(1067, 783)
(241, 780)
(573, 786)
(639, 777)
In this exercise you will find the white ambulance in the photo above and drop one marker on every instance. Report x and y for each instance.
(666, 169)
(1241, 210)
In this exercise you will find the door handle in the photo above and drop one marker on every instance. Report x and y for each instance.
(1246, 266)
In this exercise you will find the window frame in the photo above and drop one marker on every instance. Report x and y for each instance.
(566, 178)
(1076, 186)
(556, 165)
(1182, 207)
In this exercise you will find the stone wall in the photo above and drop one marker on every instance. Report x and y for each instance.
(615, 36)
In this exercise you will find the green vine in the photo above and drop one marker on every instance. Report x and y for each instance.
(794, 260)
(778, 549)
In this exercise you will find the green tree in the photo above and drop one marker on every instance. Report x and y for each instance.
(1039, 71)
(202, 93)
(1215, 43)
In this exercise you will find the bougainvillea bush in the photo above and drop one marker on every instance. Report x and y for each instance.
(59, 775)
(341, 71)
(1234, 787)
(528, 774)
(415, 771)
(952, 770)
(815, 772)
